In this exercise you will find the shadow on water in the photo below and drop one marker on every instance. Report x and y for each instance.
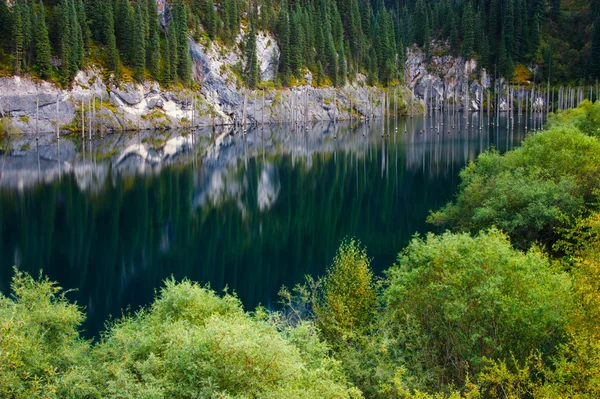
(115, 216)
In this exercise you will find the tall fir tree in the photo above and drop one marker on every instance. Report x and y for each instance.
(468, 25)
(112, 54)
(43, 51)
(251, 67)
(342, 65)
(594, 60)
(139, 42)
(17, 34)
(184, 66)
(283, 38)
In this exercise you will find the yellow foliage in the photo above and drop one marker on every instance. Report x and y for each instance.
(522, 74)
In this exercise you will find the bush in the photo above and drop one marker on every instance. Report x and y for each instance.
(528, 192)
(472, 298)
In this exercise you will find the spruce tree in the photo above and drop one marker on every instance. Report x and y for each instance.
(17, 34)
(468, 25)
(65, 41)
(251, 67)
(210, 18)
(296, 43)
(84, 26)
(283, 38)
(153, 40)
(454, 41)
(594, 60)
(342, 65)
(331, 58)
(167, 77)
(112, 55)
(139, 43)
(43, 61)
(184, 66)
(509, 27)
(27, 12)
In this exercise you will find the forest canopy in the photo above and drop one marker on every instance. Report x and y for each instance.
(334, 39)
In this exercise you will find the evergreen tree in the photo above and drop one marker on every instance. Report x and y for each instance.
(296, 43)
(124, 30)
(468, 25)
(43, 61)
(505, 65)
(28, 22)
(153, 40)
(173, 51)
(167, 76)
(112, 55)
(84, 26)
(210, 19)
(454, 41)
(251, 67)
(594, 60)
(509, 27)
(17, 34)
(139, 43)
(184, 67)
(283, 38)
(342, 65)
(331, 58)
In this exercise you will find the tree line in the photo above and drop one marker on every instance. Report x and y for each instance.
(56, 39)
(333, 39)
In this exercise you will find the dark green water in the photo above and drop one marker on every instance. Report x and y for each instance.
(257, 213)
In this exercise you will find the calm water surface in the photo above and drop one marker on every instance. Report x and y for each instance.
(112, 218)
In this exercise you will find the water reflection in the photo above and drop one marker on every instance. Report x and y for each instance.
(115, 216)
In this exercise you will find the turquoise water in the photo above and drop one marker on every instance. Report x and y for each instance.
(114, 217)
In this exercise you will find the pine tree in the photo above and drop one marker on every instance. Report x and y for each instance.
(454, 42)
(505, 65)
(283, 38)
(332, 59)
(342, 65)
(153, 40)
(17, 34)
(173, 52)
(167, 76)
(65, 41)
(509, 27)
(251, 68)
(594, 60)
(139, 43)
(184, 67)
(84, 26)
(112, 55)
(27, 11)
(210, 18)
(43, 54)
(468, 24)
(296, 43)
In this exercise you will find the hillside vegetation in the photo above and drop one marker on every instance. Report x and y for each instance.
(333, 39)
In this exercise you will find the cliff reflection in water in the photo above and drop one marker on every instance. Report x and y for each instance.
(116, 217)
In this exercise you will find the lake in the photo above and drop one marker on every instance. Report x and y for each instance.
(113, 217)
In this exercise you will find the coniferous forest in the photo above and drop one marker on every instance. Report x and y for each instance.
(335, 40)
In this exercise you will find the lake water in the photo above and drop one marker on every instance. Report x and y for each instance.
(115, 216)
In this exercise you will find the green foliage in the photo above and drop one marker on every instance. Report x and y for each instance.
(42, 45)
(41, 353)
(474, 298)
(192, 342)
(586, 117)
(528, 192)
(251, 68)
(189, 343)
